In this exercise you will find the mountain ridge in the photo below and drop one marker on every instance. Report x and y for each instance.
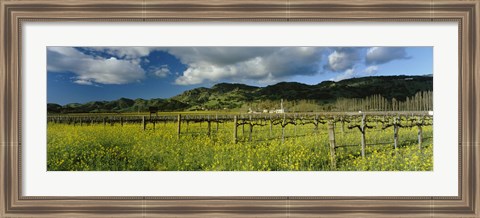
(223, 96)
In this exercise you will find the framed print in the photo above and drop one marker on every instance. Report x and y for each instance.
(234, 108)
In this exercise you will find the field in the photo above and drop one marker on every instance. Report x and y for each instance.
(128, 147)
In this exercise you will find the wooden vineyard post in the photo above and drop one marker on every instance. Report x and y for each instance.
(362, 128)
(395, 133)
(104, 122)
(243, 128)
(144, 124)
(331, 137)
(420, 137)
(179, 123)
(283, 128)
(251, 129)
(271, 126)
(235, 129)
(121, 121)
(208, 125)
(295, 125)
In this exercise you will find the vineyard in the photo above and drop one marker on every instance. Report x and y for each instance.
(373, 141)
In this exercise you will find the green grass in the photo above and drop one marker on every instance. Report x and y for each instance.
(129, 148)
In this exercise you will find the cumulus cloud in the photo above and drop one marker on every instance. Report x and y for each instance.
(347, 74)
(246, 63)
(124, 52)
(219, 55)
(262, 65)
(371, 70)
(83, 82)
(381, 55)
(92, 69)
(342, 59)
(161, 71)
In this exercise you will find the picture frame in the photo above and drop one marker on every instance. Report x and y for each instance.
(14, 13)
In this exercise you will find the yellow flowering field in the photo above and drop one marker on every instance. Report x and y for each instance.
(130, 148)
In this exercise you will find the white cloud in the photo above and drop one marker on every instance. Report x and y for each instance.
(371, 70)
(83, 82)
(124, 52)
(348, 74)
(342, 59)
(219, 55)
(262, 65)
(162, 71)
(89, 69)
(270, 79)
(234, 64)
(381, 55)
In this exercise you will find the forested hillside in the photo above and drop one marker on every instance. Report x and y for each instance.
(367, 93)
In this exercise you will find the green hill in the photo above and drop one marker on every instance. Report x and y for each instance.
(234, 95)
(220, 96)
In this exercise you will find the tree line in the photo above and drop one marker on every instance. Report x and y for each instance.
(421, 101)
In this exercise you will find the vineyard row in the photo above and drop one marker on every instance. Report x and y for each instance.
(351, 120)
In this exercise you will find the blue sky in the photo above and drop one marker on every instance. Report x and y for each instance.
(83, 74)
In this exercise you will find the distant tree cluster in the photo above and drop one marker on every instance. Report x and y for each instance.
(421, 101)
